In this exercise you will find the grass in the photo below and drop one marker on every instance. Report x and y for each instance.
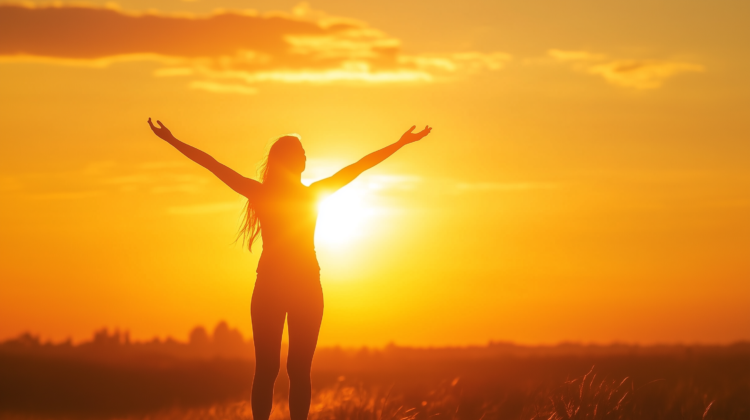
(495, 382)
(589, 397)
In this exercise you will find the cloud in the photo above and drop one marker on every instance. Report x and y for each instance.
(226, 51)
(353, 71)
(637, 74)
(105, 178)
(76, 32)
(575, 55)
(392, 182)
(157, 181)
(467, 61)
(642, 74)
(223, 88)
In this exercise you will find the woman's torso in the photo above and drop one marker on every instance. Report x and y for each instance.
(287, 219)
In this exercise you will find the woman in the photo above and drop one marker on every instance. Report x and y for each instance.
(283, 212)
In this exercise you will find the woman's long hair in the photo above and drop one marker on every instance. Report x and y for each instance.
(250, 227)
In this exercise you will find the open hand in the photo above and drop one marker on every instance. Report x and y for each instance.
(162, 131)
(410, 136)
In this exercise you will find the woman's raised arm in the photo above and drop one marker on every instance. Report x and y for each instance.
(234, 180)
(351, 172)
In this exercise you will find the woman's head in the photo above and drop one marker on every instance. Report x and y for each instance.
(286, 157)
(285, 161)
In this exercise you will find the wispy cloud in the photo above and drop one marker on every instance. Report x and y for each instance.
(156, 182)
(215, 87)
(470, 62)
(228, 52)
(642, 74)
(575, 56)
(104, 178)
(629, 73)
(392, 182)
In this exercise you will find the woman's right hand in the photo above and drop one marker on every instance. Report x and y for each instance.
(162, 131)
(410, 136)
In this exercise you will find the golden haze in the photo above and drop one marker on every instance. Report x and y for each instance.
(587, 178)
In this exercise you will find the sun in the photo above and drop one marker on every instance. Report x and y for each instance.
(343, 216)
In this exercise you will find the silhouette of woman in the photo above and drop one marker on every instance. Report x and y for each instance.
(283, 212)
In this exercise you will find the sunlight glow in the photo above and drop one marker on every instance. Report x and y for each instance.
(343, 216)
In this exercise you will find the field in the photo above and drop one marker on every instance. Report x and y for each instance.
(210, 378)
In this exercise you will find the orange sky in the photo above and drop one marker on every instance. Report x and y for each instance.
(587, 178)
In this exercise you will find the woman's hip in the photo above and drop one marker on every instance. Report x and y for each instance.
(287, 292)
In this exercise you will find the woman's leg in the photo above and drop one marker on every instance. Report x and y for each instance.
(305, 315)
(268, 315)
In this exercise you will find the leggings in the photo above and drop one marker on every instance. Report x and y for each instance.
(274, 299)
